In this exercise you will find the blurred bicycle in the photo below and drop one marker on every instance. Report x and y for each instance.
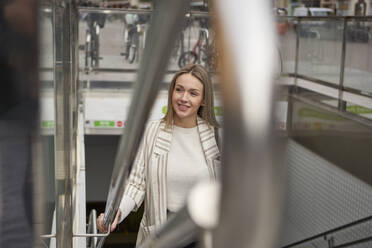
(136, 26)
(95, 22)
(203, 52)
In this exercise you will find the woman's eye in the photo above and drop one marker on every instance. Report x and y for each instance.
(194, 93)
(178, 89)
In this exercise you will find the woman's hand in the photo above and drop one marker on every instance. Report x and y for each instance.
(101, 227)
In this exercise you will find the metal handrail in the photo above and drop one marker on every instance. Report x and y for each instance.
(83, 235)
(358, 92)
(134, 11)
(168, 20)
(326, 17)
(92, 227)
(47, 236)
(114, 10)
(323, 234)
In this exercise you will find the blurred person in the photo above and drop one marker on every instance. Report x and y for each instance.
(176, 152)
(18, 110)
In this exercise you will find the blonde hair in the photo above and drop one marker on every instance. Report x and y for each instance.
(206, 110)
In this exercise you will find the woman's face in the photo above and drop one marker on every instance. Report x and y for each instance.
(186, 98)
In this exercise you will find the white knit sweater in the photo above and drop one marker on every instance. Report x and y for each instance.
(186, 166)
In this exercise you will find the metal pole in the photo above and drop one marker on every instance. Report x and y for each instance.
(297, 53)
(65, 87)
(341, 103)
(166, 21)
(252, 171)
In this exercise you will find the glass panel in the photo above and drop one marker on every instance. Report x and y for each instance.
(358, 69)
(287, 44)
(320, 49)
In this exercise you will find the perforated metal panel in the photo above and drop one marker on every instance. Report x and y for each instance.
(320, 197)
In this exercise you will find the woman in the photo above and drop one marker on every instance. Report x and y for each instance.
(175, 153)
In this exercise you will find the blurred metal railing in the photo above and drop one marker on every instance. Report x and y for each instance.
(133, 11)
(92, 228)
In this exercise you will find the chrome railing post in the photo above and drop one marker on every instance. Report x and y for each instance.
(297, 52)
(341, 103)
(65, 86)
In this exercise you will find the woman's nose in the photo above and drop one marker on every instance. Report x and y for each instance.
(184, 96)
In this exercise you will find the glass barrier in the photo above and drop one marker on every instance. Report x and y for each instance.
(358, 59)
(320, 49)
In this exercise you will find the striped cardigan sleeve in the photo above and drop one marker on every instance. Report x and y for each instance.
(136, 185)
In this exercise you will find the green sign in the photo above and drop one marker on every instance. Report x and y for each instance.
(308, 112)
(104, 123)
(47, 124)
(164, 109)
(218, 111)
(358, 109)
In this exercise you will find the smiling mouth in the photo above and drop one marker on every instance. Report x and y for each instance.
(183, 107)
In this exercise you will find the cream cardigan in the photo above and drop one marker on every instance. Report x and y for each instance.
(147, 181)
